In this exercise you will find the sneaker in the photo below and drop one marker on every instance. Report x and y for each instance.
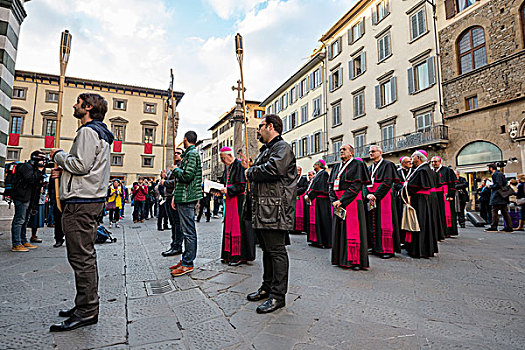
(117, 225)
(30, 246)
(176, 266)
(19, 248)
(181, 270)
(110, 225)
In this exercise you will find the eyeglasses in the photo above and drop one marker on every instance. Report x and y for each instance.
(178, 153)
(260, 126)
(434, 161)
(372, 151)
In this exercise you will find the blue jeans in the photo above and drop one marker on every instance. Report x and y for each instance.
(19, 224)
(187, 225)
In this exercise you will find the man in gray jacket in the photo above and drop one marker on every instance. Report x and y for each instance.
(273, 179)
(83, 187)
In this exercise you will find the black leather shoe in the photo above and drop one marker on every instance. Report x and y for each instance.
(270, 305)
(73, 322)
(67, 312)
(259, 295)
(171, 252)
(234, 263)
(58, 244)
(386, 256)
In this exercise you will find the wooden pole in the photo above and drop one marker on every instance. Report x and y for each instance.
(174, 133)
(65, 49)
(164, 133)
(240, 55)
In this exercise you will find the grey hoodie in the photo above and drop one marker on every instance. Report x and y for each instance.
(87, 166)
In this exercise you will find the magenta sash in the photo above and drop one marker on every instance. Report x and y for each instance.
(353, 234)
(387, 228)
(427, 192)
(312, 234)
(448, 213)
(299, 214)
(232, 227)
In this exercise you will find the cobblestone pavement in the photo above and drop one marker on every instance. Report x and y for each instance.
(471, 297)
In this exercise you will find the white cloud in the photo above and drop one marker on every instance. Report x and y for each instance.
(128, 41)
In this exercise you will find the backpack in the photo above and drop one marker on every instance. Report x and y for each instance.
(103, 235)
(12, 177)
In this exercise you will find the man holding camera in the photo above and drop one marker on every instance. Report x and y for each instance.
(27, 184)
(83, 189)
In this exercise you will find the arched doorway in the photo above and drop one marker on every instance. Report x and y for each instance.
(472, 162)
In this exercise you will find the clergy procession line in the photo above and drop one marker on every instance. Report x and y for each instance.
(375, 200)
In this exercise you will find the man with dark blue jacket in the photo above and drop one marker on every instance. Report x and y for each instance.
(497, 201)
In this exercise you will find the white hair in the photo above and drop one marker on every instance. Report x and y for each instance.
(420, 155)
(378, 148)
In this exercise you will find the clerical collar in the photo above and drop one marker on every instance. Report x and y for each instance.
(438, 169)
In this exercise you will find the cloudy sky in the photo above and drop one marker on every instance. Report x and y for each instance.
(137, 42)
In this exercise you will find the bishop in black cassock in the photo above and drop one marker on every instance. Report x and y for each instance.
(319, 229)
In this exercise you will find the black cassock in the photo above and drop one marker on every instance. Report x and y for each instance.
(422, 244)
(320, 225)
(446, 185)
(349, 245)
(398, 187)
(382, 221)
(238, 239)
(301, 209)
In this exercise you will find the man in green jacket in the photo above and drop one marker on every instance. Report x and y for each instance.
(188, 190)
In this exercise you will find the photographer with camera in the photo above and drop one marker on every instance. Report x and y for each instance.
(26, 187)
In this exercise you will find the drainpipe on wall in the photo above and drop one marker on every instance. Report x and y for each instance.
(438, 59)
(325, 99)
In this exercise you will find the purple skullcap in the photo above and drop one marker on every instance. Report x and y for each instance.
(357, 158)
(437, 157)
(323, 163)
(423, 152)
(226, 150)
(401, 159)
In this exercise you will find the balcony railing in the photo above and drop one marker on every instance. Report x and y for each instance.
(434, 135)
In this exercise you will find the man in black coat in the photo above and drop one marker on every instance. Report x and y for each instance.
(461, 198)
(273, 180)
(497, 201)
(301, 210)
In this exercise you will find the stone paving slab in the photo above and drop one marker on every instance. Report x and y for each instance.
(471, 296)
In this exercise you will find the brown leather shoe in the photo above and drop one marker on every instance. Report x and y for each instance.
(19, 248)
(30, 246)
(182, 270)
(176, 266)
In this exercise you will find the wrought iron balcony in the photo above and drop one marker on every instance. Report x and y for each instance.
(435, 135)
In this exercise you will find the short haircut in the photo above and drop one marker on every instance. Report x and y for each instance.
(492, 166)
(191, 136)
(378, 148)
(275, 120)
(98, 103)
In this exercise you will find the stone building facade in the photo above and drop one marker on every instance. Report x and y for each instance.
(383, 80)
(483, 72)
(135, 116)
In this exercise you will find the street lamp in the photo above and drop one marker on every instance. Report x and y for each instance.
(239, 50)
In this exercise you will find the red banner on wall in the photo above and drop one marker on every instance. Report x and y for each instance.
(117, 146)
(14, 139)
(148, 148)
(49, 142)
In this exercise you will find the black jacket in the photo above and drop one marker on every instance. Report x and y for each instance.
(462, 189)
(28, 180)
(498, 181)
(273, 178)
(302, 185)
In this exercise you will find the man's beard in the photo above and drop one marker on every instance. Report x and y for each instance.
(78, 114)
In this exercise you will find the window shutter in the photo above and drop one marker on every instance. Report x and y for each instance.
(410, 80)
(381, 48)
(307, 84)
(285, 126)
(450, 9)
(393, 88)
(350, 39)
(413, 26)
(422, 21)
(362, 25)
(330, 80)
(306, 145)
(340, 44)
(374, 15)
(351, 69)
(387, 45)
(300, 147)
(363, 62)
(387, 6)
(321, 146)
(356, 107)
(286, 99)
(378, 96)
(431, 70)
(340, 80)
(312, 144)
(312, 86)
(330, 53)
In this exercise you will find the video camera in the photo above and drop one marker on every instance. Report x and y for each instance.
(42, 159)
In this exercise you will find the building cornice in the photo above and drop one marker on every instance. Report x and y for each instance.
(17, 9)
(21, 75)
(343, 21)
(318, 58)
